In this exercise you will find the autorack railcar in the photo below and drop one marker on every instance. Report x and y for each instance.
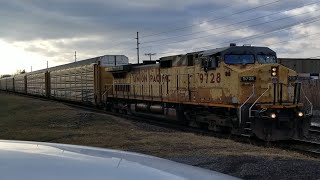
(20, 83)
(7, 84)
(38, 83)
(3, 84)
(83, 81)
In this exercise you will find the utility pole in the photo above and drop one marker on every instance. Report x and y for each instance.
(47, 65)
(31, 68)
(150, 54)
(138, 46)
(75, 56)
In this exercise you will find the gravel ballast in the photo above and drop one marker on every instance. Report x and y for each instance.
(250, 167)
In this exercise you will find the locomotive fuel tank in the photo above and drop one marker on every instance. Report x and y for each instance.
(142, 107)
(156, 109)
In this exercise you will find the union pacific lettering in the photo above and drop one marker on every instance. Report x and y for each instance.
(150, 78)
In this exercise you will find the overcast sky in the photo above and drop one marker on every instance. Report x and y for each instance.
(36, 31)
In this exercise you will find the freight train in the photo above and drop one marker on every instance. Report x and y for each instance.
(237, 89)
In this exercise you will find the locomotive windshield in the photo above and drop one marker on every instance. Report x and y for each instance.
(239, 59)
(266, 59)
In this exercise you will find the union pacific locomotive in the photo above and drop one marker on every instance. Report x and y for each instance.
(236, 89)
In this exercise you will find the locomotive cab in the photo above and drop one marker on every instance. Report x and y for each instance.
(267, 94)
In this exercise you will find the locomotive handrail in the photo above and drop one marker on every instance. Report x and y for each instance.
(311, 105)
(240, 113)
(258, 100)
(104, 94)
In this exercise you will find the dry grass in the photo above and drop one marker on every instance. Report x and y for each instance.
(29, 119)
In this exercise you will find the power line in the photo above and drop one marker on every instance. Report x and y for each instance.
(304, 22)
(240, 12)
(138, 55)
(150, 55)
(278, 12)
(128, 39)
(317, 18)
(293, 39)
(219, 18)
(313, 57)
(213, 11)
(174, 42)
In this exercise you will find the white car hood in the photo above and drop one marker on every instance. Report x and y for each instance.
(37, 160)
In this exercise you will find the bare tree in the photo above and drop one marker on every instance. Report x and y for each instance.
(5, 75)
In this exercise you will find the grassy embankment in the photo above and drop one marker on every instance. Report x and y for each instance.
(30, 119)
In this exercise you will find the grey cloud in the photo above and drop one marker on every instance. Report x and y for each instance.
(103, 24)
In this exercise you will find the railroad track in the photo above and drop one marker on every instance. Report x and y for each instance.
(315, 130)
(305, 147)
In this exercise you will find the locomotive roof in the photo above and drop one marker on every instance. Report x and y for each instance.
(228, 50)
(73, 64)
(239, 50)
(69, 65)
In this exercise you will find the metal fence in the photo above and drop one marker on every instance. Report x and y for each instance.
(312, 91)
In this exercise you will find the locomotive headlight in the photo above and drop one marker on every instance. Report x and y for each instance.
(300, 114)
(274, 71)
(273, 115)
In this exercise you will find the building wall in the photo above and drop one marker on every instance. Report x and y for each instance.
(301, 65)
(311, 89)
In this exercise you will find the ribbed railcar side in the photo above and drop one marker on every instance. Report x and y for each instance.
(36, 84)
(74, 84)
(20, 83)
(3, 84)
(10, 84)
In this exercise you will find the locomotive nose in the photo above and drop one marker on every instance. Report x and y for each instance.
(266, 77)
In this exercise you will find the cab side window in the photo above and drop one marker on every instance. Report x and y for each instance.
(210, 63)
(190, 60)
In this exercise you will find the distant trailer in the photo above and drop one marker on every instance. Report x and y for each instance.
(301, 65)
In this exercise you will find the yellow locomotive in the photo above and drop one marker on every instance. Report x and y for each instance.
(241, 89)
